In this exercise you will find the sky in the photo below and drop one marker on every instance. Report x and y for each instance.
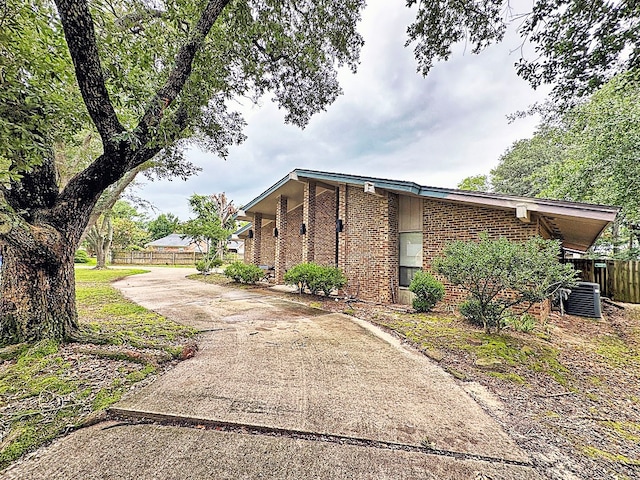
(391, 122)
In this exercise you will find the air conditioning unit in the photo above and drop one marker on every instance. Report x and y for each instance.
(584, 300)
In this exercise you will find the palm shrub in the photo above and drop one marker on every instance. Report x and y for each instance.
(500, 274)
(427, 289)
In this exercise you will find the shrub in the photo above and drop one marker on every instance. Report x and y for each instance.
(300, 274)
(316, 278)
(206, 264)
(81, 256)
(216, 262)
(427, 289)
(329, 279)
(243, 272)
(203, 266)
(499, 274)
(487, 316)
(522, 323)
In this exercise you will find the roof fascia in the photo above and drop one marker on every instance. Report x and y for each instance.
(268, 191)
(571, 209)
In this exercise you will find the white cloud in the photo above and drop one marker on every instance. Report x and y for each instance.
(391, 122)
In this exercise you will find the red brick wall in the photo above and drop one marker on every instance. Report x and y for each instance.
(292, 237)
(248, 249)
(268, 245)
(369, 243)
(325, 242)
(445, 222)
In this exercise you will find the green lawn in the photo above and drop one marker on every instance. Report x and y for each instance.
(47, 389)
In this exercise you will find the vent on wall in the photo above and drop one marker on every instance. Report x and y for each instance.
(584, 300)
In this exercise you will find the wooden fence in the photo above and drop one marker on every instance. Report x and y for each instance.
(155, 258)
(618, 279)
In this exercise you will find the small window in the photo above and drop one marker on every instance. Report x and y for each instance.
(407, 274)
(410, 256)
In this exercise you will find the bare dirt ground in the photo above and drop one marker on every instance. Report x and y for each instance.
(568, 393)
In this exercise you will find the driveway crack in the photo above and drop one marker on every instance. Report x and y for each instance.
(128, 416)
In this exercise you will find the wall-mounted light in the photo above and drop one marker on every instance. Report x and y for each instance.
(303, 229)
(275, 232)
(339, 225)
(250, 233)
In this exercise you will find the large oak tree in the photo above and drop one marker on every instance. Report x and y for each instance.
(147, 75)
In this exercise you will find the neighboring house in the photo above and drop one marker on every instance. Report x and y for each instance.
(177, 242)
(236, 245)
(380, 232)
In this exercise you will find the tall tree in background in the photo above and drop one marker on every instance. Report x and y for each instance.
(225, 210)
(129, 232)
(475, 183)
(165, 224)
(121, 227)
(589, 153)
(213, 223)
(98, 238)
(522, 170)
(578, 45)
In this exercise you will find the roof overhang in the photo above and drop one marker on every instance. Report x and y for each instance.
(578, 225)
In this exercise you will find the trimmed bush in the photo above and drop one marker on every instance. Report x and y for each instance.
(205, 265)
(427, 289)
(316, 278)
(243, 272)
(81, 256)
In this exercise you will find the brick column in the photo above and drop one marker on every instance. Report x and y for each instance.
(392, 260)
(281, 245)
(342, 237)
(309, 219)
(257, 239)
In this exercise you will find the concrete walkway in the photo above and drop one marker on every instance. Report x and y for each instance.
(281, 390)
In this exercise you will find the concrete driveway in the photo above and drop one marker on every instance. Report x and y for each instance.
(281, 390)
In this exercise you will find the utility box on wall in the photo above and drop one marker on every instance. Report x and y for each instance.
(584, 300)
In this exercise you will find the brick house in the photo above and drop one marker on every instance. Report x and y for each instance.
(176, 242)
(380, 232)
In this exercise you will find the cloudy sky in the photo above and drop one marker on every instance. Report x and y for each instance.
(391, 122)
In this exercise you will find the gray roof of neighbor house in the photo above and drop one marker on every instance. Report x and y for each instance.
(578, 225)
(172, 240)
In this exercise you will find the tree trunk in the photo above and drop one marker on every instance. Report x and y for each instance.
(103, 244)
(38, 298)
(99, 237)
(615, 235)
(101, 262)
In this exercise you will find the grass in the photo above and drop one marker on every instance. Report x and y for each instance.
(581, 369)
(47, 389)
(492, 352)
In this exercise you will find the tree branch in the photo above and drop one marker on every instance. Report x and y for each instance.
(117, 159)
(79, 33)
(181, 70)
(108, 200)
